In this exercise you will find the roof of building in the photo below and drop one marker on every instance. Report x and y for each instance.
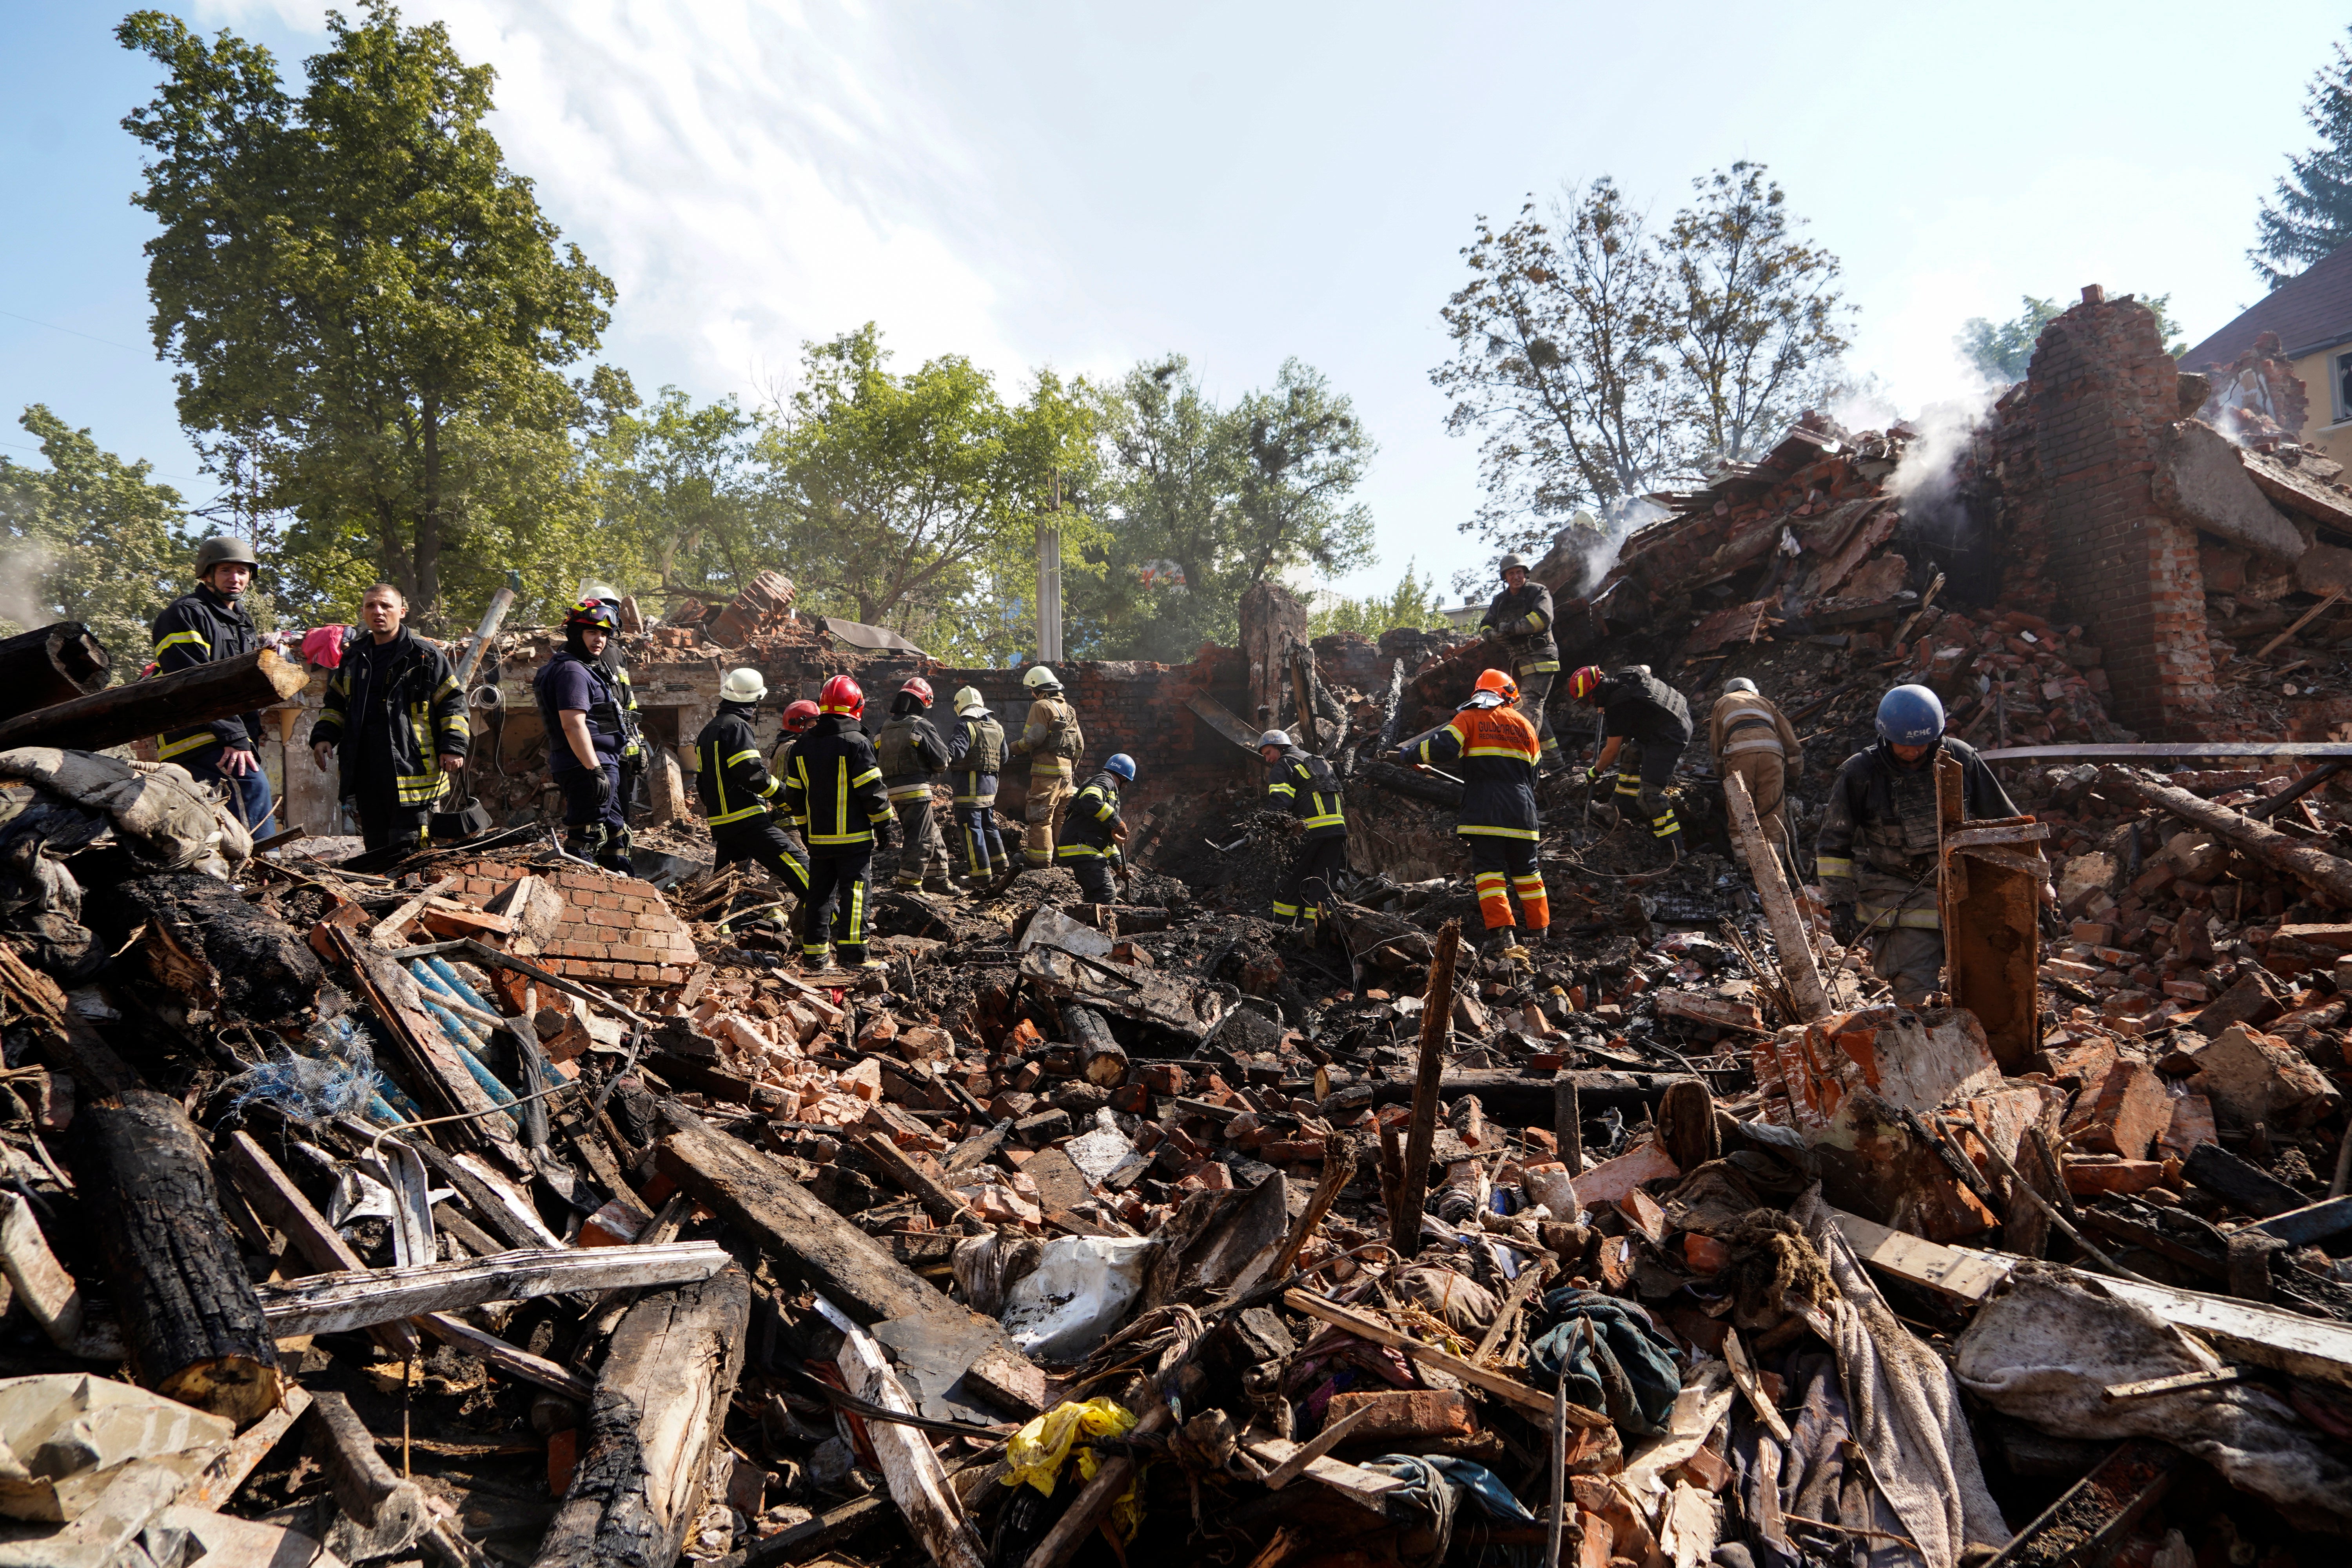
(2310, 312)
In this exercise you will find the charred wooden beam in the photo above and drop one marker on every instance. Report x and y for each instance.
(1407, 782)
(2313, 867)
(335, 1303)
(382, 1514)
(192, 1324)
(120, 714)
(51, 664)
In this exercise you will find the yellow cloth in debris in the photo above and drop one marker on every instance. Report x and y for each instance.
(1037, 1452)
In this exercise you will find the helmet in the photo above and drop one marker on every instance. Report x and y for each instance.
(1583, 683)
(742, 685)
(1910, 716)
(596, 589)
(1041, 676)
(1273, 738)
(591, 612)
(968, 699)
(1122, 764)
(1499, 683)
(1739, 683)
(920, 689)
(1514, 559)
(842, 695)
(222, 549)
(800, 715)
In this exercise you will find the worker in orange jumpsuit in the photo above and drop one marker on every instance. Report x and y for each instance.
(1497, 752)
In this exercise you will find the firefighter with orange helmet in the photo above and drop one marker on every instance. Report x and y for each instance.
(1497, 752)
(1637, 706)
(910, 752)
(833, 792)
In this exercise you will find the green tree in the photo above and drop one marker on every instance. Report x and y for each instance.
(2005, 352)
(366, 305)
(1755, 313)
(1414, 601)
(679, 498)
(910, 501)
(2313, 218)
(90, 539)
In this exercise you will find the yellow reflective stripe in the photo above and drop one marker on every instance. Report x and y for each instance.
(1916, 920)
(415, 789)
(869, 776)
(1334, 820)
(196, 741)
(767, 790)
(751, 753)
(1280, 789)
(1540, 666)
(194, 637)
(911, 792)
(841, 793)
(1078, 851)
(721, 820)
(1830, 865)
(458, 724)
(449, 684)
(1466, 830)
(860, 836)
(1536, 619)
(1521, 752)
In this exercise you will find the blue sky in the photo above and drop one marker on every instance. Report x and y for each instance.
(1089, 185)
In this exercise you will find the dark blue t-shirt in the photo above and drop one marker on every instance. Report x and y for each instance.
(566, 683)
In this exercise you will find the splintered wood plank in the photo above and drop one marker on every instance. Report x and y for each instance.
(1954, 1271)
(335, 1303)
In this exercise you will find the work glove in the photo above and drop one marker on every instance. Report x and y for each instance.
(1845, 925)
(605, 787)
(883, 836)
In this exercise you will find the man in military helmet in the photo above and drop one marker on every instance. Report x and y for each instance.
(207, 625)
(1095, 844)
(1637, 706)
(393, 724)
(741, 796)
(1753, 742)
(910, 751)
(975, 756)
(1053, 742)
(1877, 852)
(1302, 783)
(1521, 620)
(580, 705)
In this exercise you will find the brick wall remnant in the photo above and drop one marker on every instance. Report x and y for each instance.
(2079, 445)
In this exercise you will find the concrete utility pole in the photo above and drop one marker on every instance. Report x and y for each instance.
(1049, 583)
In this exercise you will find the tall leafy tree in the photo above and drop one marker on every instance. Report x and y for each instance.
(2312, 217)
(365, 303)
(1756, 315)
(90, 539)
(1561, 344)
(1414, 601)
(1307, 452)
(678, 494)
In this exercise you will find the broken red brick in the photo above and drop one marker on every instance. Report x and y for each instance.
(1420, 1413)
(2123, 1114)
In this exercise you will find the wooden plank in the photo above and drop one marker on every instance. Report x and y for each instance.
(117, 715)
(1333, 1433)
(496, 1352)
(333, 1303)
(381, 1513)
(35, 1275)
(1735, 1355)
(2310, 1223)
(385, 932)
(1366, 1488)
(1954, 1271)
(1792, 936)
(281, 1204)
(211, 1487)
(918, 1482)
(1436, 1014)
(1380, 1333)
(2178, 1383)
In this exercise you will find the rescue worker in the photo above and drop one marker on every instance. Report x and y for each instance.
(1053, 742)
(581, 708)
(739, 794)
(392, 697)
(909, 751)
(798, 716)
(1302, 785)
(1498, 752)
(1754, 742)
(1876, 855)
(1637, 706)
(633, 754)
(1093, 846)
(1520, 619)
(976, 754)
(834, 793)
(205, 625)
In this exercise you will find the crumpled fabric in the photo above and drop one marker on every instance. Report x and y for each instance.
(1459, 1301)
(989, 1264)
(1439, 1483)
(322, 647)
(1622, 1365)
(156, 809)
(1036, 1454)
(2047, 1345)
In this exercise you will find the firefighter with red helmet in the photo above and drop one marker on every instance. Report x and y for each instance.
(739, 794)
(833, 792)
(910, 752)
(1637, 706)
(1498, 752)
(580, 705)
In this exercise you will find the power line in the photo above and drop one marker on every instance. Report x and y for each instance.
(110, 342)
(185, 479)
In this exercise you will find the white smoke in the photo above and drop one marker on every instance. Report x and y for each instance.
(1597, 540)
(23, 574)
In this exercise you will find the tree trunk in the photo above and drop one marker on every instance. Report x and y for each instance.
(428, 524)
(189, 1314)
(52, 664)
(120, 714)
(660, 1402)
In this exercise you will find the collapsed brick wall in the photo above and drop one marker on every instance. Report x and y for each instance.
(615, 931)
(2077, 445)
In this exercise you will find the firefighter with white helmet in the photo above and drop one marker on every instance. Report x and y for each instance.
(1053, 742)
(740, 797)
(975, 756)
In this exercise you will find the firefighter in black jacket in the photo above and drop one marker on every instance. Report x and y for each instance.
(615, 665)
(740, 795)
(1093, 831)
(208, 626)
(834, 793)
(976, 755)
(1520, 619)
(1877, 852)
(1302, 783)
(579, 708)
(389, 693)
(909, 751)
(1637, 706)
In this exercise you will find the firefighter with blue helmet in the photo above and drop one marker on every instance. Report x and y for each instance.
(1094, 834)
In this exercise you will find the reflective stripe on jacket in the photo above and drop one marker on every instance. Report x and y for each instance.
(833, 790)
(734, 785)
(1051, 740)
(418, 704)
(976, 752)
(1880, 818)
(1304, 786)
(908, 751)
(1090, 820)
(202, 628)
(1522, 621)
(1499, 749)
